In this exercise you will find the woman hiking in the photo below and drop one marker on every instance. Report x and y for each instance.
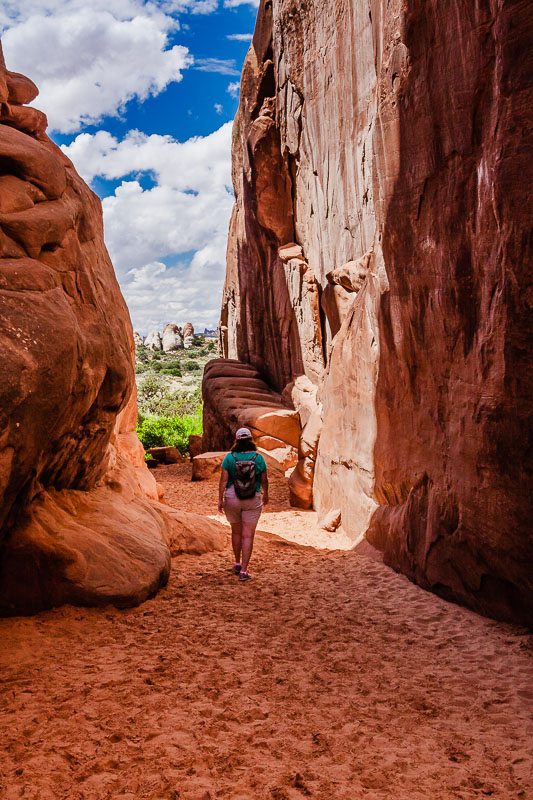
(244, 473)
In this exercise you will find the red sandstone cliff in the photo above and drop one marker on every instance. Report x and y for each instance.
(390, 141)
(79, 519)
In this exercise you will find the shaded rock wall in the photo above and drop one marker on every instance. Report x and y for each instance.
(388, 141)
(453, 459)
(78, 517)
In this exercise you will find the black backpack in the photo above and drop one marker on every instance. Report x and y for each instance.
(245, 478)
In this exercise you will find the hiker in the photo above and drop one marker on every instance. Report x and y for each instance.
(244, 473)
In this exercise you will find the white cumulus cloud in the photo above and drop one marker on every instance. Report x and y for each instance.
(89, 60)
(185, 212)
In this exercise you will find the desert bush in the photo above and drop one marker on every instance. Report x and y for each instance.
(141, 353)
(175, 371)
(190, 366)
(140, 368)
(149, 393)
(170, 431)
(167, 403)
(180, 403)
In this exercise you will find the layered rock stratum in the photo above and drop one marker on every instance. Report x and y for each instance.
(79, 517)
(379, 277)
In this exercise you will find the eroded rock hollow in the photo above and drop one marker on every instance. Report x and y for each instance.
(379, 277)
(79, 516)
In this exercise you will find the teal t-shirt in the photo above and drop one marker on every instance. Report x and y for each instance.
(229, 465)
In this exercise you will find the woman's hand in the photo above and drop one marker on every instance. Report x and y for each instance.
(265, 498)
(221, 504)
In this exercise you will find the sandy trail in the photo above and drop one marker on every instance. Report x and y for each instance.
(328, 676)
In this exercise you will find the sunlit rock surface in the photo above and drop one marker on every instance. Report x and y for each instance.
(79, 521)
(379, 155)
(188, 335)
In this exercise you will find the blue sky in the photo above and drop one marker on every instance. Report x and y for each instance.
(141, 96)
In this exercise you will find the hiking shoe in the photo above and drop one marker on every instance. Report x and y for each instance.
(235, 569)
(244, 576)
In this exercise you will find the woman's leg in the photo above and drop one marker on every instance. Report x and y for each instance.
(236, 540)
(248, 533)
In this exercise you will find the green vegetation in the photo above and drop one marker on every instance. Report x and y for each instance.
(173, 431)
(169, 393)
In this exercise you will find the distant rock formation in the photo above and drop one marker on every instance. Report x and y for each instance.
(172, 339)
(153, 341)
(378, 276)
(138, 341)
(79, 517)
(188, 335)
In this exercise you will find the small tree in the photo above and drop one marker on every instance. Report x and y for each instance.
(151, 390)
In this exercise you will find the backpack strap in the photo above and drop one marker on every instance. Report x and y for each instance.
(237, 460)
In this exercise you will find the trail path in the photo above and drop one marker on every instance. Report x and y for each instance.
(328, 676)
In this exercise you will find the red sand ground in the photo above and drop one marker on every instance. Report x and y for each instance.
(328, 676)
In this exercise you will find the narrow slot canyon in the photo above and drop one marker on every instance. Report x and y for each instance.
(374, 340)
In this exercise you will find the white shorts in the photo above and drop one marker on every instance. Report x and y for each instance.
(237, 510)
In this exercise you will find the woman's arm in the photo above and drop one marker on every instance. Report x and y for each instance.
(221, 487)
(264, 486)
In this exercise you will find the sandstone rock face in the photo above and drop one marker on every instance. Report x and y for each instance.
(188, 335)
(196, 445)
(172, 338)
(166, 455)
(138, 341)
(378, 248)
(194, 534)
(154, 341)
(207, 465)
(79, 518)
(235, 395)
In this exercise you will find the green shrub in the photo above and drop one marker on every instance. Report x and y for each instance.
(140, 368)
(170, 431)
(172, 371)
(141, 353)
(190, 366)
(156, 355)
(149, 393)
(166, 403)
(180, 403)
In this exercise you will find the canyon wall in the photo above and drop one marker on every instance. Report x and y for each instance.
(79, 517)
(380, 258)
